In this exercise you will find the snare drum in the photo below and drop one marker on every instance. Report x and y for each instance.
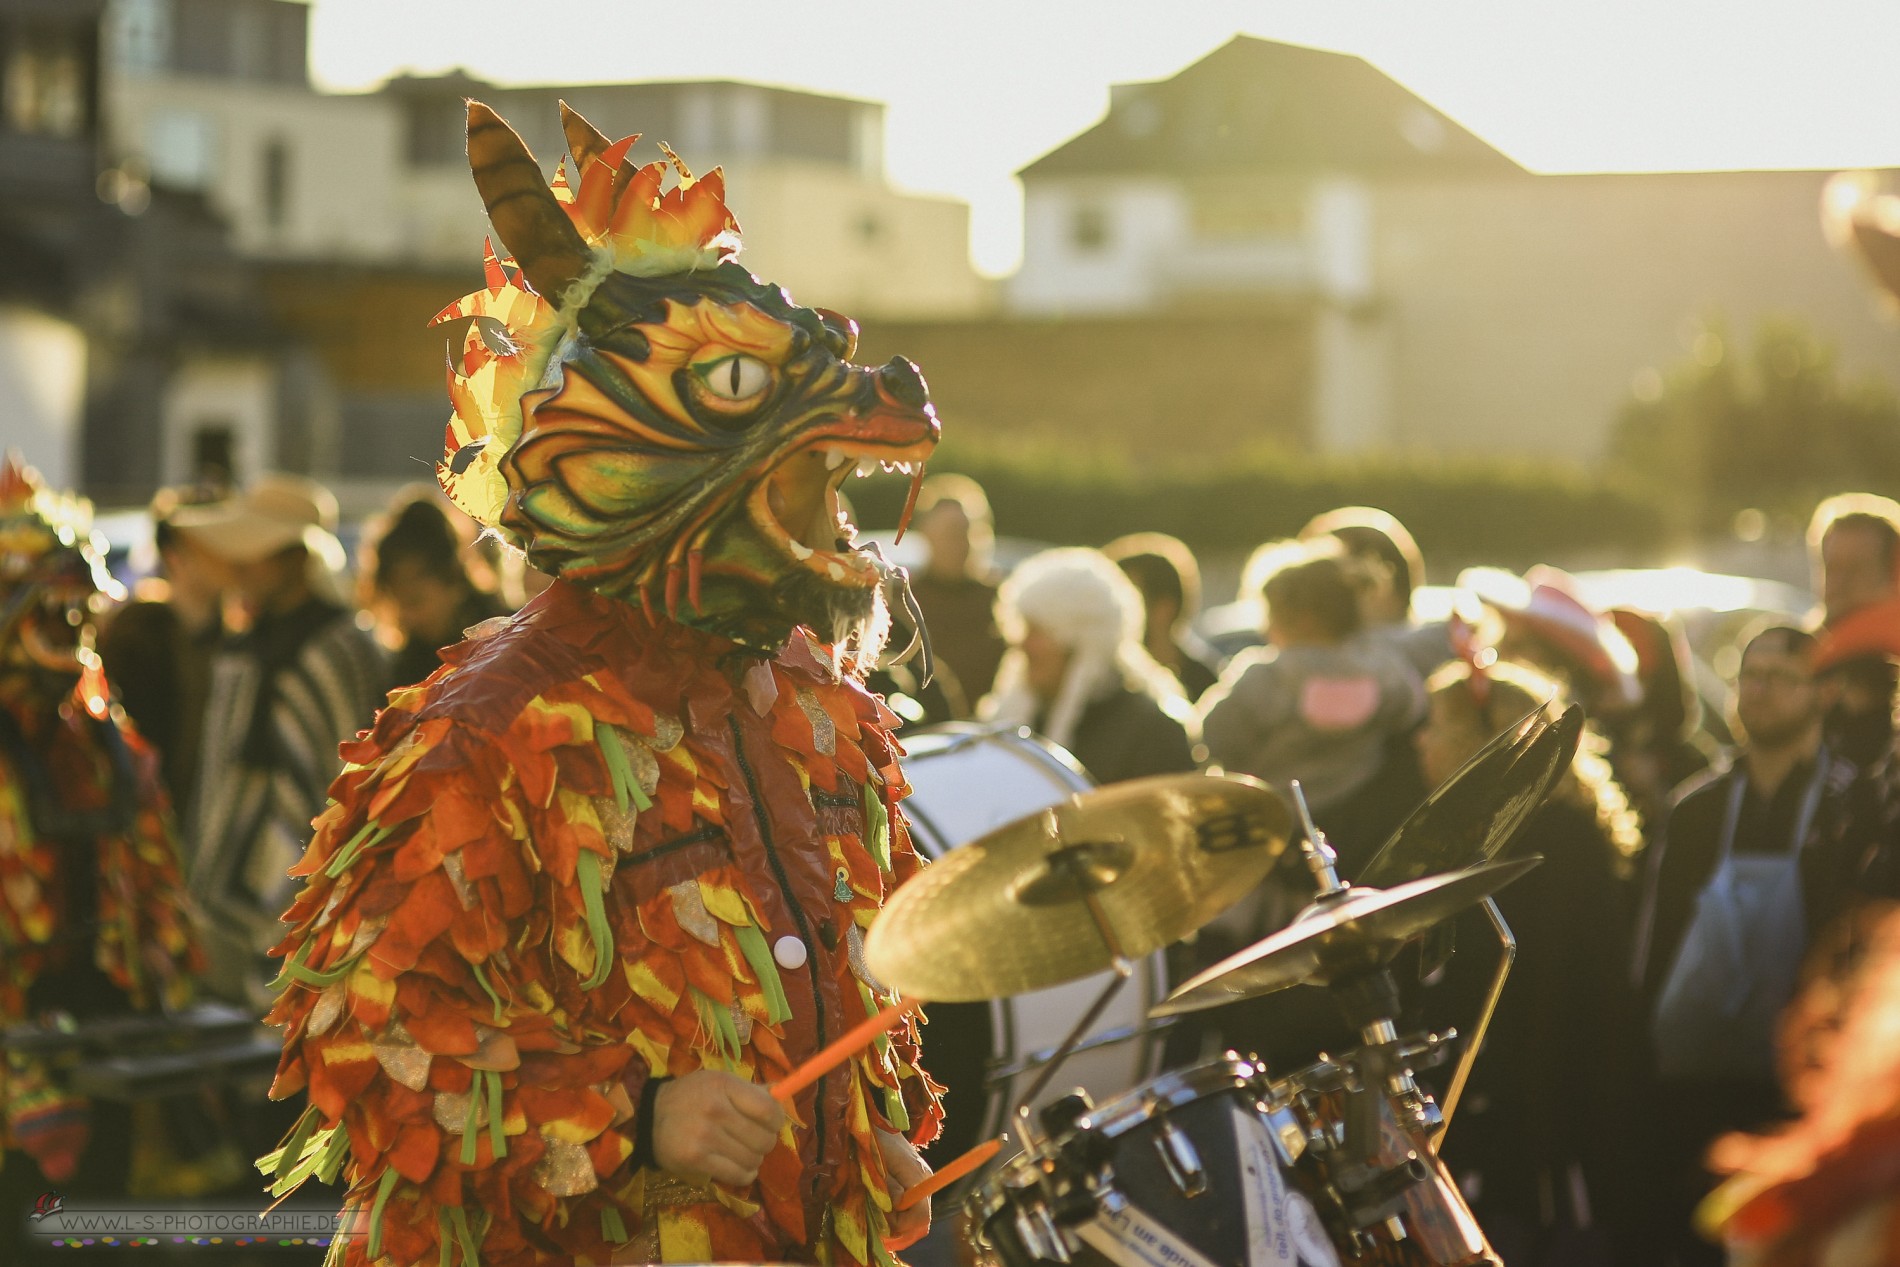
(965, 781)
(1216, 1166)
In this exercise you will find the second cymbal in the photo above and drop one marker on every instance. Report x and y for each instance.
(1357, 930)
(1009, 912)
(1473, 815)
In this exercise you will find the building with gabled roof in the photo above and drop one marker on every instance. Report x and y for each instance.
(1256, 106)
(1450, 300)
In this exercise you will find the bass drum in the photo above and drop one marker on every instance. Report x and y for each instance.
(966, 781)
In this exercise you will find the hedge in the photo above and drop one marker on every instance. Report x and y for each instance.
(1510, 513)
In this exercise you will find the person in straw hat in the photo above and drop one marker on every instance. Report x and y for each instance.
(297, 681)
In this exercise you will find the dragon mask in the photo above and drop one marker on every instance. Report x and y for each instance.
(645, 418)
(51, 575)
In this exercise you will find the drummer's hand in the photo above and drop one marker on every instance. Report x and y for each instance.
(714, 1125)
(906, 1169)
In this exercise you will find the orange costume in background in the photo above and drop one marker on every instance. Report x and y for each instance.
(639, 829)
(93, 919)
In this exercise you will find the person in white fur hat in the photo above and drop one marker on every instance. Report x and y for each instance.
(1077, 673)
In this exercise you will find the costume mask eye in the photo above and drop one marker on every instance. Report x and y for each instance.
(735, 381)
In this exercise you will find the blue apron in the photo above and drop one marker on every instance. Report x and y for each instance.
(1741, 956)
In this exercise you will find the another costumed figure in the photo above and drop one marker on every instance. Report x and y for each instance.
(604, 876)
(92, 916)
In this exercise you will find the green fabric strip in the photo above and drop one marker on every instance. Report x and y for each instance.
(874, 1223)
(384, 1187)
(877, 827)
(323, 1149)
(471, 1125)
(294, 969)
(444, 1236)
(458, 1219)
(497, 1138)
(883, 1043)
(612, 1227)
(894, 1109)
(330, 1160)
(368, 837)
(778, 1008)
(288, 1153)
(716, 1019)
(588, 872)
(481, 979)
(619, 769)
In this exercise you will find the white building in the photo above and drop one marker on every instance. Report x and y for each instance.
(213, 96)
(367, 196)
(1454, 300)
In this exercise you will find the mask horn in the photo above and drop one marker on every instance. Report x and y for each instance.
(584, 141)
(527, 218)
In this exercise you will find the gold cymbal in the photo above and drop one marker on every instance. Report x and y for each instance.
(1354, 931)
(1009, 912)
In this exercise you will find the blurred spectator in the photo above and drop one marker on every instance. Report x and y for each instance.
(157, 649)
(1854, 547)
(1393, 569)
(1660, 742)
(1163, 569)
(956, 587)
(1076, 670)
(1539, 1144)
(1750, 862)
(300, 679)
(415, 568)
(1544, 623)
(1319, 703)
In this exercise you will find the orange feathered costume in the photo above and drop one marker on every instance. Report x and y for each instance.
(638, 830)
(85, 828)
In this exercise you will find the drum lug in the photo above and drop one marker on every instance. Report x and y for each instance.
(1179, 1158)
(1284, 1128)
(1040, 1235)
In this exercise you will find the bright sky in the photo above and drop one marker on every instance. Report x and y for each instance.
(978, 88)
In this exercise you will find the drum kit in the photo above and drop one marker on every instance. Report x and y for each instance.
(1222, 1164)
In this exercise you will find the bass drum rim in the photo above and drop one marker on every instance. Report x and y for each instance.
(987, 1033)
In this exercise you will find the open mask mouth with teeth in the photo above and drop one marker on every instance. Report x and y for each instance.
(799, 505)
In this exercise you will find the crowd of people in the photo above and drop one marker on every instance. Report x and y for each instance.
(1684, 883)
(1660, 943)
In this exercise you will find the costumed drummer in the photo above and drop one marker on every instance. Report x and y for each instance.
(93, 921)
(590, 888)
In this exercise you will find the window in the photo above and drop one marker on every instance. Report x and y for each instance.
(181, 147)
(1088, 229)
(45, 82)
(437, 131)
(140, 32)
(274, 174)
(213, 453)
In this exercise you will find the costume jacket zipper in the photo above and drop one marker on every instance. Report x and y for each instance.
(812, 958)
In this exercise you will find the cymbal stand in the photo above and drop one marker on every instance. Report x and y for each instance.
(1068, 863)
(1321, 858)
(1507, 946)
(1369, 1191)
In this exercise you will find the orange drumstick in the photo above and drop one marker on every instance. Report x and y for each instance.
(860, 1036)
(951, 1173)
